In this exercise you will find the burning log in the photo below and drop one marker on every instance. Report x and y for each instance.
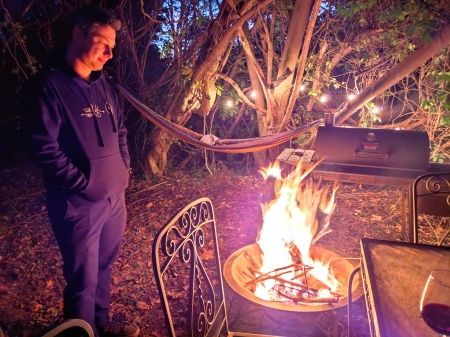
(302, 287)
(294, 299)
(295, 253)
(310, 280)
(251, 260)
(276, 273)
(298, 286)
(304, 297)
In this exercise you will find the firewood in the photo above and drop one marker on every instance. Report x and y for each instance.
(295, 254)
(316, 283)
(275, 273)
(298, 286)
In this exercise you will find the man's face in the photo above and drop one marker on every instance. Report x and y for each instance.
(96, 47)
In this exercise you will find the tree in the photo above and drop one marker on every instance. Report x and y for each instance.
(330, 48)
(299, 59)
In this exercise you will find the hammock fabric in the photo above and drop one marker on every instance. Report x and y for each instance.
(188, 136)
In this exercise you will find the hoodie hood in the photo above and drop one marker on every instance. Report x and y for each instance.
(64, 68)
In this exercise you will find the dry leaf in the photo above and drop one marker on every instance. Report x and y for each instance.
(49, 284)
(208, 255)
(141, 305)
(376, 218)
(38, 307)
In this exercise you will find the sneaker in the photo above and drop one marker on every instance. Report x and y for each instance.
(120, 329)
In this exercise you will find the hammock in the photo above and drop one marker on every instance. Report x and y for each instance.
(211, 142)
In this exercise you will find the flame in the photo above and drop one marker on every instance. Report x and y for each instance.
(298, 216)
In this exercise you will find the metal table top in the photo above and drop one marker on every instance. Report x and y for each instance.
(394, 276)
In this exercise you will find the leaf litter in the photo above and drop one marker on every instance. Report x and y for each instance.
(31, 281)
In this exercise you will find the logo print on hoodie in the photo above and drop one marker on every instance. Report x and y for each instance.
(94, 110)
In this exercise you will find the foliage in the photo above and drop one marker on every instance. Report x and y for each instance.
(366, 39)
(164, 55)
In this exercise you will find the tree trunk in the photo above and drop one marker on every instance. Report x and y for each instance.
(289, 57)
(394, 75)
(202, 92)
(259, 157)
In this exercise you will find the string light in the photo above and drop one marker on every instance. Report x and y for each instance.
(375, 110)
(229, 103)
(323, 99)
(351, 97)
(302, 88)
(253, 94)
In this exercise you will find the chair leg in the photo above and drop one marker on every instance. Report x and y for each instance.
(413, 233)
(403, 202)
(350, 299)
(71, 323)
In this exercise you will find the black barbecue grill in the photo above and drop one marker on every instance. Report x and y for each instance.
(374, 148)
(384, 152)
(371, 156)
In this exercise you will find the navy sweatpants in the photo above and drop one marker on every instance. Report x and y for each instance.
(89, 235)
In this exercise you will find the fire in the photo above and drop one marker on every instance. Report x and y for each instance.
(297, 217)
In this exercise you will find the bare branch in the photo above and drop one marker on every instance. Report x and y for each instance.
(241, 94)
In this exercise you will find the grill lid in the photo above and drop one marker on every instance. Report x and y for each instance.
(371, 147)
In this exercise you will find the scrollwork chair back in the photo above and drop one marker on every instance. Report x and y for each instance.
(430, 196)
(188, 274)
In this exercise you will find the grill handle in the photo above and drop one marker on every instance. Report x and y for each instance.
(371, 155)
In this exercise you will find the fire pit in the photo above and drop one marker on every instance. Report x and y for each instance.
(237, 275)
(286, 271)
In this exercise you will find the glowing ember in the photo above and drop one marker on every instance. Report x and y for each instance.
(297, 217)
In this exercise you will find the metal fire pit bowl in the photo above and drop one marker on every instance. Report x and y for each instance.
(236, 271)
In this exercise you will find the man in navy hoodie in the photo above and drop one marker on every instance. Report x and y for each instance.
(76, 134)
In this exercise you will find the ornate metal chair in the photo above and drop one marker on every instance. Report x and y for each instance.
(188, 274)
(430, 195)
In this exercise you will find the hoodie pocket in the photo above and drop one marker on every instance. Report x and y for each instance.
(108, 177)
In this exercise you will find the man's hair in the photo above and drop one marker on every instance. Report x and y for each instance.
(90, 16)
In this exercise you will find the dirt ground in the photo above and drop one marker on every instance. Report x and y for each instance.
(31, 281)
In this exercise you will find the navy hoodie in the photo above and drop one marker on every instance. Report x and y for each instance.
(75, 133)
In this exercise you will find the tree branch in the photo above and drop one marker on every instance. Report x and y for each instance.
(216, 52)
(241, 94)
(395, 74)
